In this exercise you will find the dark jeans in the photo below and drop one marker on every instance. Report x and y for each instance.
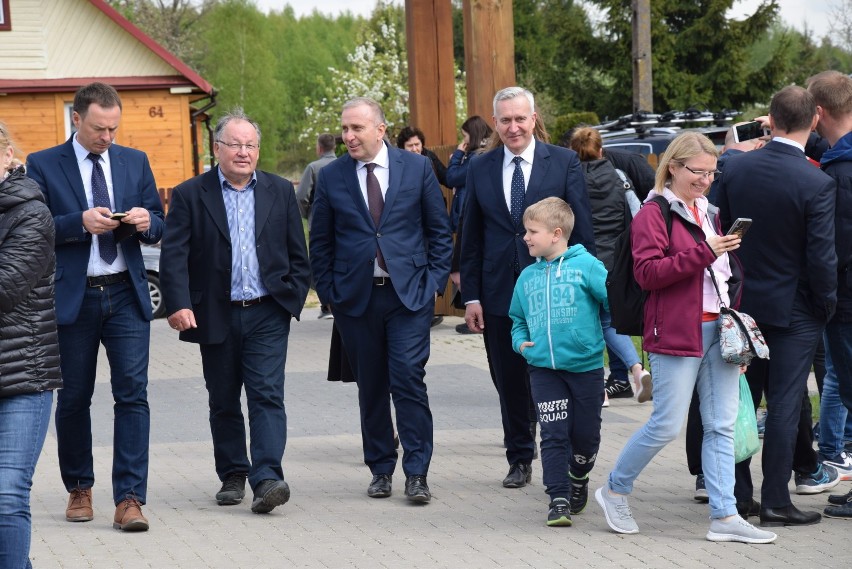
(839, 337)
(388, 347)
(569, 414)
(111, 316)
(251, 357)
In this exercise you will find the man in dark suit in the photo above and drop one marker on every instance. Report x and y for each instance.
(501, 183)
(101, 297)
(790, 287)
(380, 252)
(234, 271)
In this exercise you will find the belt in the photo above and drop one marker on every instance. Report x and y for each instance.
(105, 280)
(381, 281)
(251, 301)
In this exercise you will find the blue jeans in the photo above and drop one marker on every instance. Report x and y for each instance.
(838, 339)
(618, 344)
(252, 357)
(674, 380)
(110, 315)
(23, 425)
(835, 423)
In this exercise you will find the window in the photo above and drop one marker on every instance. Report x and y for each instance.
(69, 121)
(5, 18)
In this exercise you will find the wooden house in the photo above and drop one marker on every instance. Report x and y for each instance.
(49, 48)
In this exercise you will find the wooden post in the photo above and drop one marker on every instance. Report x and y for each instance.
(489, 52)
(643, 85)
(431, 81)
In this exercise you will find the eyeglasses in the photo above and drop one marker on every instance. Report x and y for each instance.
(703, 173)
(250, 148)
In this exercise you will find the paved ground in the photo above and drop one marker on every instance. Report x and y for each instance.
(472, 522)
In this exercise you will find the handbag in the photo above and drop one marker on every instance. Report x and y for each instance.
(740, 340)
(746, 441)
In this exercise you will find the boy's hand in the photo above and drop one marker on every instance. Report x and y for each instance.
(525, 345)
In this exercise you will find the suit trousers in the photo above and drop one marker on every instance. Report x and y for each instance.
(388, 347)
(109, 315)
(513, 386)
(252, 357)
(785, 378)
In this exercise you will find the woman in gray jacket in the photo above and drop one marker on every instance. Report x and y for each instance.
(29, 351)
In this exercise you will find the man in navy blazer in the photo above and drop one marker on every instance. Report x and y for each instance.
(380, 252)
(101, 297)
(234, 271)
(790, 289)
(493, 252)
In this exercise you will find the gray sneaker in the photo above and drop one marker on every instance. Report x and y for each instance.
(617, 511)
(737, 529)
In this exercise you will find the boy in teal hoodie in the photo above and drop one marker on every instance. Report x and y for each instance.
(556, 326)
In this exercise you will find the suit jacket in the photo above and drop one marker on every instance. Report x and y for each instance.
(788, 254)
(195, 265)
(413, 233)
(490, 237)
(58, 174)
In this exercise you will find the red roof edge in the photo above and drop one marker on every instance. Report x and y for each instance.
(169, 58)
(73, 83)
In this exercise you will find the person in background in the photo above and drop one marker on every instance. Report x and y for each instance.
(682, 337)
(235, 272)
(102, 297)
(610, 217)
(563, 347)
(29, 347)
(305, 191)
(412, 139)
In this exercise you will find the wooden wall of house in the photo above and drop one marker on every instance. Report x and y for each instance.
(154, 121)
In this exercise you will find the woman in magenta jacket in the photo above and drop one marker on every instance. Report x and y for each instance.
(681, 335)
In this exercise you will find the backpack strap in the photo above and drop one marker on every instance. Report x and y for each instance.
(666, 210)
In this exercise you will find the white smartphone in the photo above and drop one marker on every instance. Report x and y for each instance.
(749, 130)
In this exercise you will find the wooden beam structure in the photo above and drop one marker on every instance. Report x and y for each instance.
(431, 78)
(489, 52)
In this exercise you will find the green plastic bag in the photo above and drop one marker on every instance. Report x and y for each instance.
(746, 441)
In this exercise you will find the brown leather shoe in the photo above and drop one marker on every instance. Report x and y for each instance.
(128, 516)
(80, 505)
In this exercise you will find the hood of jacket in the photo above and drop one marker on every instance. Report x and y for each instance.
(16, 189)
(840, 152)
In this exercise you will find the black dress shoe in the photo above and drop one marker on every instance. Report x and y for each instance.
(380, 487)
(750, 508)
(520, 475)
(416, 489)
(789, 516)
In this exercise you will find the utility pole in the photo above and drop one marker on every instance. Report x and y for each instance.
(643, 84)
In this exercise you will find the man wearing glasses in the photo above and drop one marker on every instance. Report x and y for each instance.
(790, 289)
(234, 271)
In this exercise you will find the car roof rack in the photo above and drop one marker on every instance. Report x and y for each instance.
(642, 121)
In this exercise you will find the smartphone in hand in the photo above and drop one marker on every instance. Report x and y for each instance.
(740, 226)
(118, 215)
(749, 130)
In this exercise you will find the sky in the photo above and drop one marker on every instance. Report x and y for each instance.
(796, 13)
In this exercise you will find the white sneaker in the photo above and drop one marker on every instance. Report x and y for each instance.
(737, 529)
(842, 464)
(617, 511)
(644, 387)
(606, 400)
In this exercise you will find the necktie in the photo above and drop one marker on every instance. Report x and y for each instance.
(376, 203)
(517, 198)
(517, 201)
(100, 198)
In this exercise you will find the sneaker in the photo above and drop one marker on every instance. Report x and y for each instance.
(644, 387)
(617, 511)
(840, 499)
(842, 463)
(233, 490)
(606, 400)
(268, 495)
(700, 490)
(616, 389)
(579, 493)
(325, 313)
(559, 514)
(840, 512)
(737, 529)
(823, 479)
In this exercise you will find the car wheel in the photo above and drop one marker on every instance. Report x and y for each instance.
(158, 307)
